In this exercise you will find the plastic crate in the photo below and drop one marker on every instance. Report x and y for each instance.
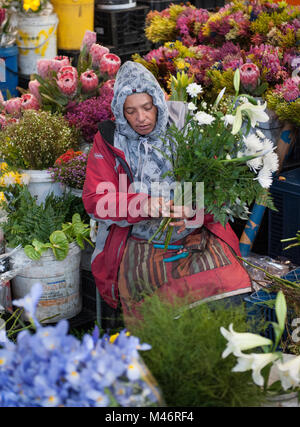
(285, 222)
(258, 310)
(120, 28)
(160, 5)
(126, 52)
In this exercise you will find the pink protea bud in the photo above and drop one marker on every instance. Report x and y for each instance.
(67, 69)
(89, 38)
(67, 84)
(96, 52)
(33, 87)
(29, 102)
(43, 67)
(89, 81)
(249, 74)
(110, 64)
(64, 60)
(107, 88)
(13, 106)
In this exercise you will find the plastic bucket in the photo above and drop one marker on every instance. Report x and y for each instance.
(41, 184)
(75, 17)
(61, 295)
(9, 70)
(36, 39)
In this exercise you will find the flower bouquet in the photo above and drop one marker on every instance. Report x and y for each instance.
(59, 85)
(69, 169)
(51, 368)
(213, 148)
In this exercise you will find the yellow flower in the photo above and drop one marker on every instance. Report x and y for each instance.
(2, 197)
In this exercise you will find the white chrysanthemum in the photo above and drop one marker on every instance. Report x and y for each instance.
(271, 161)
(204, 118)
(264, 177)
(191, 106)
(193, 89)
(255, 163)
(228, 119)
(253, 145)
(260, 134)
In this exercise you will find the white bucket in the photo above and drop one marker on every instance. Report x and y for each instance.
(62, 295)
(36, 39)
(41, 184)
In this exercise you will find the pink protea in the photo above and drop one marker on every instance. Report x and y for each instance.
(89, 38)
(43, 67)
(13, 106)
(250, 74)
(67, 84)
(63, 60)
(66, 70)
(89, 81)
(110, 64)
(29, 102)
(33, 87)
(96, 52)
(290, 89)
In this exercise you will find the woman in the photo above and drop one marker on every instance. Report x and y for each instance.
(124, 166)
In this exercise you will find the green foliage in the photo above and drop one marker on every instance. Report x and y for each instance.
(40, 227)
(186, 355)
(37, 140)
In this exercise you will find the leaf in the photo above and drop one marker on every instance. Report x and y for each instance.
(32, 253)
(60, 244)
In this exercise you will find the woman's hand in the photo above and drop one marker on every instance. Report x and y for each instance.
(182, 213)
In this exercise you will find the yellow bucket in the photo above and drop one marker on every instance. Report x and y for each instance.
(75, 17)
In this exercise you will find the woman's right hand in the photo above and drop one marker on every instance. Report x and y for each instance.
(156, 207)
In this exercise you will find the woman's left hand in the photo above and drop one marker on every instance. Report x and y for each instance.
(180, 214)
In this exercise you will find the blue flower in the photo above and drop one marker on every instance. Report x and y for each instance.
(30, 302)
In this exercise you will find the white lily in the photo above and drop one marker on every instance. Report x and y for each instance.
(220, 96)
(256, 362)
(289, 372)
(241, 341)
(255, 112)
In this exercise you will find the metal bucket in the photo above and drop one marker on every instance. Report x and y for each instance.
(62, 297)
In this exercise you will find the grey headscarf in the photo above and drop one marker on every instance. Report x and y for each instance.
(147, 164)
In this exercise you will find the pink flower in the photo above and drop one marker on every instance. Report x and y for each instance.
(97, 51)
(290, 90)
(67, 84)
(2, 15)
(33, 87)
(250, 74)
(13, 106)
(89, 38)
(66, 70)
(29, 102)
(44, 66)
(89, 81)
(110, 64)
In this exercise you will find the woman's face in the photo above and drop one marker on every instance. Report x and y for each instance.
(140, 113)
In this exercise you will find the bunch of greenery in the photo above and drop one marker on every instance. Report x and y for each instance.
(38, 228)
(185, 358)
(37, 140)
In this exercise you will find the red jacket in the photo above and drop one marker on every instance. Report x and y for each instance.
(105, 164)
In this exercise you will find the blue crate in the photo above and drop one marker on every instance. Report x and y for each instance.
(285, 222)
(258, 310)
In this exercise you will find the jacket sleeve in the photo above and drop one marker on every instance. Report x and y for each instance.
(105, 193)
